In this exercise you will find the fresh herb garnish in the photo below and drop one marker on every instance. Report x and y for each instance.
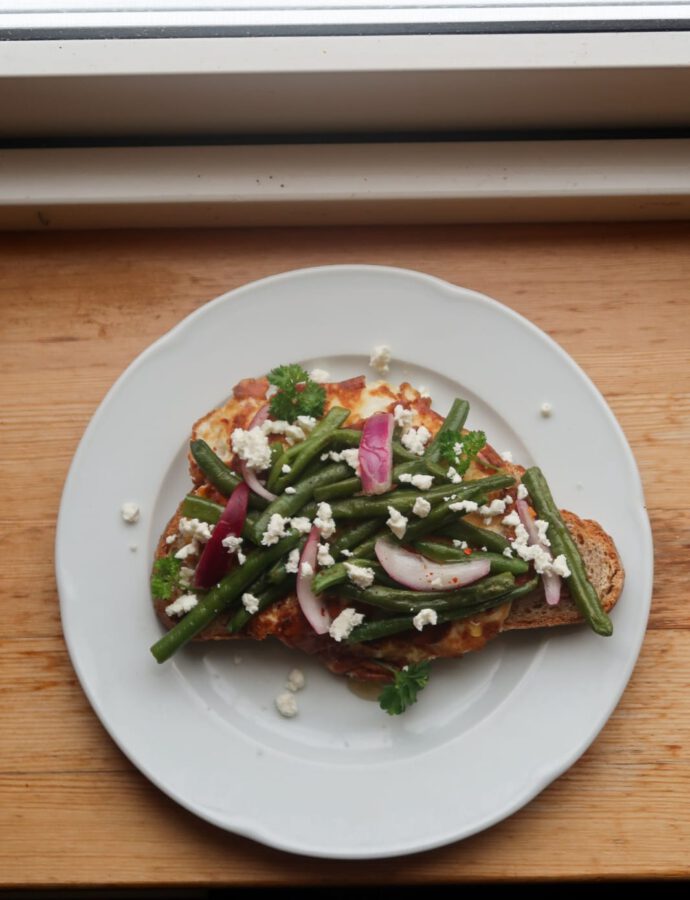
(166, 577)
(408, 681)
(297, 394)
(460, 449)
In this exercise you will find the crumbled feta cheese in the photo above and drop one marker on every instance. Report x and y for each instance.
(403, 417)
(292, 433)
(507, 456)
(182, 605)
(423, 482)
(320, 376)
(380, 358)
(290, 490)
(185, 576)
(468, 506)
(195, 529)
(360, 576)
(277, 529)
(560, 566)
(295, 680)
(508, 500)
(421, 508)
(542, 528)
(286, 469)
(286, 704)
(350, 455)
(346, 553)
(396, 522)
(487, 520)
(495, 508)
(416, 439)
(512, 519)
(538, 554)
(323, 557)
(292, 564)
(252, 447)
(324, 520)
(188, 550)
(250, 603)
(342, 625)
(484, 549)
(461, 545)
(306, 569)
(457, 449)
(232, 543)
(546, 409)
(306, 423)
(425, 617)
(301, 524)
(453, 475)
(171, 538)
(508, 552)
(130, 512)
(522, 492)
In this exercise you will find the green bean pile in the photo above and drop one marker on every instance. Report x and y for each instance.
(360, 522)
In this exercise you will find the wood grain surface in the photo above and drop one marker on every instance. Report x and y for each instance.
(78, 307)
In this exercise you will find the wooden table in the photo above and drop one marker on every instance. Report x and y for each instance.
(78, 307)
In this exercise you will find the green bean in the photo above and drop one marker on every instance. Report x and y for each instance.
(354, 536)
(206, 511)
(581, 589)
(474, 536)
(288, 505)
(381, 628)
(308, 450)
(266, 596)
(454, 421)
(200, 508)
(221, 596)
(442, 553)
(278, 573)
(344, 438)
(218, 474)
(403, 501)
(365, 550)
(327, 579)
(351, 486)
(401, 600)
(439, 515)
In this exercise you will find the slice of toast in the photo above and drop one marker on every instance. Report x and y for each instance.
(285, 621)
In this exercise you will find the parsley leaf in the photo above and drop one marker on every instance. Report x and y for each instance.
(166, 577)
(408, 681)
(286, 378)
(297, 394)
(471, 443)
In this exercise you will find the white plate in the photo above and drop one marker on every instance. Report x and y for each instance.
(343, 779)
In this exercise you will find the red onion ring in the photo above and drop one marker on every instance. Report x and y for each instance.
(552, 582)
(248, 474)
(313, 608)
(417, 573)
(376, 453)
(214, 560)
